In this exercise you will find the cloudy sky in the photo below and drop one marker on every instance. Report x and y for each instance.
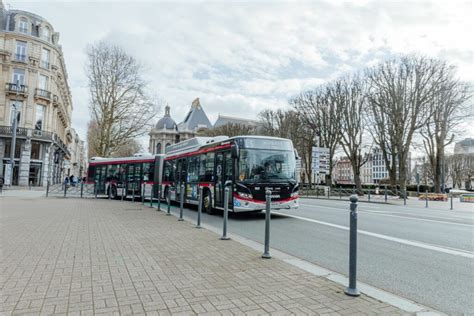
(241, 57)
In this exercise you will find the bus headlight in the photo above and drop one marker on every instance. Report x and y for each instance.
(245, 195)
(294, 195)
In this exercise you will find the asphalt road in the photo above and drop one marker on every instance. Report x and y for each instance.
(426, 255)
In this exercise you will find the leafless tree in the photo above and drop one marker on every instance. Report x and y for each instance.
(448, 111)
(319, 113)
(400, 97)
(350, 95)
(127, 150)
(120, 105)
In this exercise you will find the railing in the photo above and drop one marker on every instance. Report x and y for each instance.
(13, 87)
(44, 64)
(20, 57)
(7, 131)
(42, 134)
(43, 93)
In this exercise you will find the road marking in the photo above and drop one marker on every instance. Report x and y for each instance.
(365, 211)
(451, 251)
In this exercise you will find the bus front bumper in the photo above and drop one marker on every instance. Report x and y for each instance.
(241, 205)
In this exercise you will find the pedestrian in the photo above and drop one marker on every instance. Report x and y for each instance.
(71, 179)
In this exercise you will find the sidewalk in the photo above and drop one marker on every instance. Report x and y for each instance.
(84, 256)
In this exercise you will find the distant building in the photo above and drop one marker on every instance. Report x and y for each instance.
(466, 146)
(366, 171)
(379, 167)
(166, 132)
(76, 165)
(343, 171)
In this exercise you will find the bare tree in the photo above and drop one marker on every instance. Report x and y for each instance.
(350, 95)
(120, 106)
(127, 150)
(400, 97)
(448, 111)
(93, 133)
(319, 113)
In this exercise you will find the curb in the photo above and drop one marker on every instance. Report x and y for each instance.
(381, 295)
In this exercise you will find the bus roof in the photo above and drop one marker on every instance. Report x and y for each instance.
(143, 158)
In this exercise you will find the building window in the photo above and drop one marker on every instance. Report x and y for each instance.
(158, 148)
(18, 108)
(8, 146)
(36, 150)
(43, 82)
(23, 25)
(20, 51)
(18, 76)
(39, 117)
(45, 33)
(45, 58)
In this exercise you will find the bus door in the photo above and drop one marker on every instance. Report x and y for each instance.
(223, 172)
(180, 177)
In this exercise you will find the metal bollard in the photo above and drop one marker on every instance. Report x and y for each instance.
(451, 200)
(226, 214)
(151, 195)
(124, 190)
(65, 189)
(158, 206)
(405, 197)
(369, 195)
(340, 192)
(329, 192)
(385, 194)
(168, 201)
(268, 197)
(82, 188)
(109, 191)
(143, 192)
(317, 192)
(47, 188)
(352, 289)
(426, 198)
(181, 203)
(95, 188)
(201, 191)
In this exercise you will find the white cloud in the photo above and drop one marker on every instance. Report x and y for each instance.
(241, 57)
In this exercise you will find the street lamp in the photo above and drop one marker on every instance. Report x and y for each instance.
(14, 126)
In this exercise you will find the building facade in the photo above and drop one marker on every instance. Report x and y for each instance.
(466, 146)
(166, 132)
(343, 173)
(33, 91)
(77, 164)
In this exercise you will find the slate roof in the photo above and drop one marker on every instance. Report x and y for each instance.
(195, 118)
(224, 120)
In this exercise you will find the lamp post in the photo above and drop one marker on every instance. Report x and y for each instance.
(14, 126)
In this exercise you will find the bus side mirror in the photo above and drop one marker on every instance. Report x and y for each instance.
(234, 149)
(297, 157)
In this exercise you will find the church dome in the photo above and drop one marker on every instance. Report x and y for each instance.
(166, 122)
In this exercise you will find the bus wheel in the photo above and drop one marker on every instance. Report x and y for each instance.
(207, 207)
(113, 194)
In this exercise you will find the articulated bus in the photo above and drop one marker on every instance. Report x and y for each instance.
(249, 165)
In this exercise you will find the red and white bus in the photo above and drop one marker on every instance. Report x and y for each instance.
(249, 165)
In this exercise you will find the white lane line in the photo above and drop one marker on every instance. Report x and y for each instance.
(381, 213)
(451, 251)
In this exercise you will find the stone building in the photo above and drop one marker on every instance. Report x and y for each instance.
(167, 132)
(76, 164)
(33, 85)
(465, 146)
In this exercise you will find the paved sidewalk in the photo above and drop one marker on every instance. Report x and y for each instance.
(73, 256)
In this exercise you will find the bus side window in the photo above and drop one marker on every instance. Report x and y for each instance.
(193, 168)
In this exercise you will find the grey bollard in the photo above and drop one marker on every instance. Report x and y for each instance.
(47, 188)
(158, 206)
(143, 192)
(124, 190)
(369, 195)
(95, 188)
(340, 192)
(168, 201)
(82, 188)
(405, 197)
(352, 289)
(65, 189)
(329, 192)
(133, 191)
(201, 191)
(226, 214)
(109, 193)
(451, 200)
(151, 195)
(385, 194)
(268, 197)
(181, 203)
(426, 198)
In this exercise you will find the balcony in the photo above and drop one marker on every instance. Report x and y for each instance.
(13, 88)
(42, 94)
(44, 64)
(20, 58)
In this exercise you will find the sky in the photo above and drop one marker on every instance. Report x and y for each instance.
(240, 57)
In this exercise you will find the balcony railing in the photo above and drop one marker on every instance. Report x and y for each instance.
(45, 94)
(20, 57)
(44, 64)
(14, 88)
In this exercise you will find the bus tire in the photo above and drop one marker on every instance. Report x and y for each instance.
(113, 192)
(207, 205)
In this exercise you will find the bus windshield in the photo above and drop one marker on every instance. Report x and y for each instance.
(257, 165)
